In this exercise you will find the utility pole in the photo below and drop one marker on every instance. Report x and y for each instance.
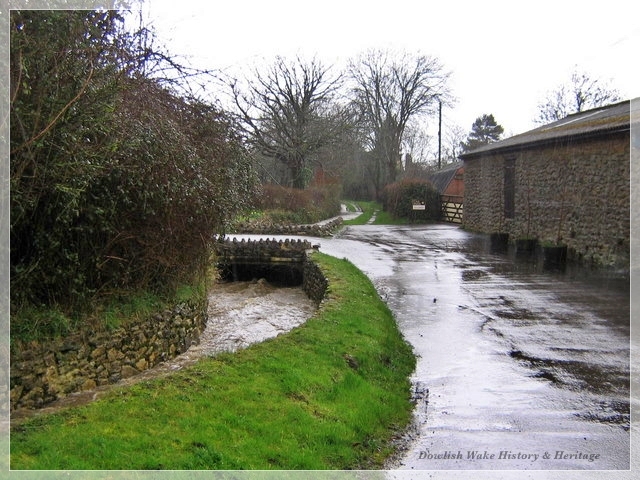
(439, 134)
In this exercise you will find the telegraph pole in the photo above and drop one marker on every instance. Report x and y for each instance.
(439, 134)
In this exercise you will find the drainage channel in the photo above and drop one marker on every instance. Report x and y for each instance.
(239, 314)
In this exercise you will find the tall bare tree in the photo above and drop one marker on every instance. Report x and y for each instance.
(390, 89)
(581, 93)
(288, 113)
(417, 144)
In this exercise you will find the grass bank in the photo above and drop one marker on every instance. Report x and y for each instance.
(328, 395)
(43, 323)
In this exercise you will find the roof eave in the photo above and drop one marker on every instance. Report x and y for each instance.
(543, 142)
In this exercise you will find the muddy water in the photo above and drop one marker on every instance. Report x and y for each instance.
(239, 314)
(243, 313)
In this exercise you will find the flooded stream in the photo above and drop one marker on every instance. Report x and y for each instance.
(239, 314)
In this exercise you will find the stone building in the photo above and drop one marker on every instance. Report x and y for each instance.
(563, 183)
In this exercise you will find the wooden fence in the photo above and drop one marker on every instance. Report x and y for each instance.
(452, 208)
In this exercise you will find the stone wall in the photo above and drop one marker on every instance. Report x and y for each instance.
(577, 191)
(292, 254)
(314, 282)
(263, 250)
(325, 229)
(44, 372)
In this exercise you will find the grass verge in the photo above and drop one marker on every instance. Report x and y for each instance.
(44, 323)
(369, 209)
(330, 394)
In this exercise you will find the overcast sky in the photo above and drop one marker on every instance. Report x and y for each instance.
(504, 56)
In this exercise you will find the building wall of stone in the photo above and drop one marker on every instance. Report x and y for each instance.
(576, 192)
(483, 202)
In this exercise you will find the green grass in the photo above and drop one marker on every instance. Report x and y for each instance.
(386, 218)
(280, 216)
(352, 207)
(292, 402)
(369, 209)
(43, 323)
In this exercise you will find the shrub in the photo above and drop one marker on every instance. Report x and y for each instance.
(398, 199)
(117, 181)
(299, 206)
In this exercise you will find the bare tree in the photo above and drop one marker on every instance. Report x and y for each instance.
(454, 136)
(288, 112)
(581, 93)
(389, 90)
(416, 143)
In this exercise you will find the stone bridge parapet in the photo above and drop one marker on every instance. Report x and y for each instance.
(264, 250)
(284, 262)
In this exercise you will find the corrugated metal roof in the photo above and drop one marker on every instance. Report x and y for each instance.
(442, 178)
(613, 117)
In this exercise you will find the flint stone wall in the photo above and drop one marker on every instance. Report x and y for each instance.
(578, 191)
(44, 372)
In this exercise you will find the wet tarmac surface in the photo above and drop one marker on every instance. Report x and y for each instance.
(519, 368)
(517, 364)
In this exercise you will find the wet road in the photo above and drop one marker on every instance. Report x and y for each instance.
(522, 369)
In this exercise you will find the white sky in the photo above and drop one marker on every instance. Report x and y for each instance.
(504, 56)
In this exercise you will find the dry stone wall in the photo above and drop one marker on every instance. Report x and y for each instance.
(325, 229)
(314, 282)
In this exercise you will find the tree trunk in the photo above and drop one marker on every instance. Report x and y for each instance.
(296, 168)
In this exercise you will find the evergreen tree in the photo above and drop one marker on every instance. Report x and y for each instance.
(484, 130)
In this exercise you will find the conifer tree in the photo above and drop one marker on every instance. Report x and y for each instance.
(484, 130)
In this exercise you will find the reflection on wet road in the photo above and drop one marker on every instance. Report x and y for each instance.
(525, 369)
